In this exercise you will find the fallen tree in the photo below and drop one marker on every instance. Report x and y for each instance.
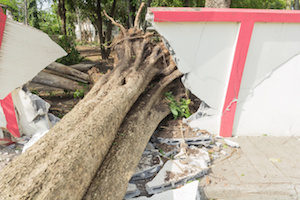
(62, 164)
(49, 79)
(68, 71)
(120, 163)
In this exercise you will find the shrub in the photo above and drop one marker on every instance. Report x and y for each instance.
(178, 109)
(68, 44)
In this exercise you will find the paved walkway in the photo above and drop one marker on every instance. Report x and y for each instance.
(263, 168)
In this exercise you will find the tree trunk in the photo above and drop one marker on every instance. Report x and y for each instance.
(62, 164)
(187, 3)
(217, 3)
(66, 70)
(109, 28)
(79, 23)
(109, 24)
(99, 23)
(296, 4)
(83, 67)
(62, 15)
(52, 80)
(34, 14)
(120, 163)
(199, 3)
(145, 22)
(130, 17)
(25, 12)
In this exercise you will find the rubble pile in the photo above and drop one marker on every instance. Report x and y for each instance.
(175, 156)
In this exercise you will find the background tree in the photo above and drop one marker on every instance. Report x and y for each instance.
(61, 11)
(259, 4)
(296, 4)
(217, 3)
(33, 15)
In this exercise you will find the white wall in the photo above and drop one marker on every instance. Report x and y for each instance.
(269, 99)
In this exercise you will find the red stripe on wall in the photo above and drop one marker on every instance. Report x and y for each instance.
(7, 103)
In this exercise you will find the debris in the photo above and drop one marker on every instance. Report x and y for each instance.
(186, 192)
(32, 112)
(223, 152)
(33, 118)
(167, 150)
(177, 172)
(231, 143)
(148, 166)
(177, 133)
(132, 191)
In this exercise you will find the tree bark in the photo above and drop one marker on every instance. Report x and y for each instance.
(62, 164)
(52, 80)
(130, 17)
(62, 15)
(198, 3)
(82, 67)
(187, 3)
(145, 22)
(99, 25)
(120, 163)
(25, 12)
(109, 24)
(79, 23)
(217, 3)
(296, 4)
(66, 70)
(34, 14)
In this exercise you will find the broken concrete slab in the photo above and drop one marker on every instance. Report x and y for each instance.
(147, 167)
(167, 150)
(177, 172)
(132, 191)
(202, 139)
(187, 192)
(177, 132)
(231, 143)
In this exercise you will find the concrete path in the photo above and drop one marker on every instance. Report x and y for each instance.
(263, 168)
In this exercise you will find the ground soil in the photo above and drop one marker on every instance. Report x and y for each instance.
(92, 55)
